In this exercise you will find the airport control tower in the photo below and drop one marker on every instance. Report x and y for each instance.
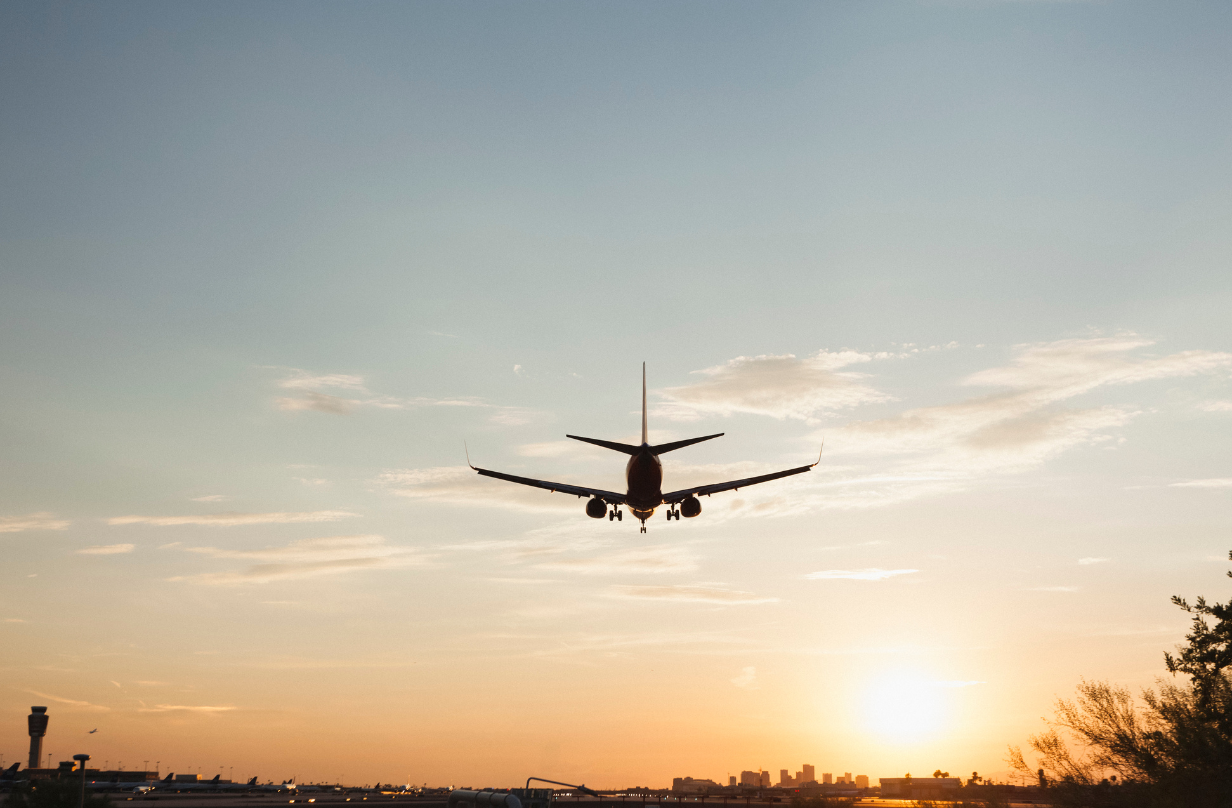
(37, 720)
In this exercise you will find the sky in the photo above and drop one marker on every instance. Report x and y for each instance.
(265, 269)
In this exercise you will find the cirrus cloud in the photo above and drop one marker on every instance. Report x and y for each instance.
(234, 519)
(870, 574)
(106, 549)
(33, 521)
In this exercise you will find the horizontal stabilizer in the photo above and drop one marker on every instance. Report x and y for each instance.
(607, 444)
(663, 448)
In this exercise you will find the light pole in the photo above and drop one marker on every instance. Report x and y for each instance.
(81, 759)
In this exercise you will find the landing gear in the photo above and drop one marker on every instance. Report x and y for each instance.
(672, 513)
(615, 514)
(643, 530)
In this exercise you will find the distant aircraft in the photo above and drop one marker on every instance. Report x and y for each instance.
(10, 773)
(644, 478)
(91, 732)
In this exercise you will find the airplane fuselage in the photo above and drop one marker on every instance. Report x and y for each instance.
(644, 478)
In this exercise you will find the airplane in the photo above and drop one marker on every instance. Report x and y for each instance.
(10, 773)
(91, 732)
(644, 479)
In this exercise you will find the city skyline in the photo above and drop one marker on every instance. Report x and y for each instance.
(267, 276)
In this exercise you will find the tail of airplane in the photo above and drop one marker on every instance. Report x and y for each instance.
(167, 779)
(252, 782)
(645, 436)
(215, 780)
(8, 773)
(663, 448)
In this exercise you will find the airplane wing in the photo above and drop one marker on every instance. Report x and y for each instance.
(564, 488)
(734, 485)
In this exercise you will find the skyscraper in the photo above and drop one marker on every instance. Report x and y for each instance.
(807, 775)
(862, 781)
(765, 779)
(785, 779)
(827, 778)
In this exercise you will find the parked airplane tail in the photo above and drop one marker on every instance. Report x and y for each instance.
(169, 776)
(8, 773)
(252, 782)
(215, 780)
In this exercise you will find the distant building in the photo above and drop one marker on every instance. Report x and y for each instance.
(861, 781)
(807, 775)
(752, 779)
(785, 779)
(919, 787)
(827, 778)
(847, 777)
(765, 779)
(731, 780)
(688, 785)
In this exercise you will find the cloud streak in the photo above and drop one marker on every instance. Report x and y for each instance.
(783, 386)
(106, 549)
(870, 574)
(234, 519)
(690, 594)
(33, 521)
(310, 558)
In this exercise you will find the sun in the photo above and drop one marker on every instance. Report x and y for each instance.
(904, 707)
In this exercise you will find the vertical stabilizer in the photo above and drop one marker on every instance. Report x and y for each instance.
(645, 438)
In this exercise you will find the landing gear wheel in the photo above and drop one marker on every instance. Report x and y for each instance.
(643, 527)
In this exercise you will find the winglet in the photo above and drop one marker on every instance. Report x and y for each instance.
(468, 456)
(823, 448)
(645, 438)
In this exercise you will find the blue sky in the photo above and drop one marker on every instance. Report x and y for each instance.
(280, 262)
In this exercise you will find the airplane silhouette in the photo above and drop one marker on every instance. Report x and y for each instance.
(91, 732)
(644, 479)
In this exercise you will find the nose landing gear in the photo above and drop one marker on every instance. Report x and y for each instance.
(643, 530)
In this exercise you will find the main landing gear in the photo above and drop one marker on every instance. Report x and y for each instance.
(672, 513)
(615, 514)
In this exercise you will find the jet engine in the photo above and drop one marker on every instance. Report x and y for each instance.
(690, 507)
(596, 508)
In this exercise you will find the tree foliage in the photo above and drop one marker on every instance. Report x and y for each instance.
(1174, 748)
(57, 793)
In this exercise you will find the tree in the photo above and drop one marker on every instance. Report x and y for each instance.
(1173, 749)
(60, 793)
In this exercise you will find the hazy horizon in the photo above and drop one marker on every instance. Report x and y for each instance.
(264, 269)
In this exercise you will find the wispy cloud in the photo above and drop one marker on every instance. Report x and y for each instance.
(350, 393)
(320, 402)
(185, 708)
(85, 705)
(1216, 406)
(33, 521)
(1217, 482)
(783, 386)
(309, 558)
(870, 574)
(1092, 560)
(234, 519)
(211, 498)
(1022, 425)
(14, 620)
(460, 484)
(690, 594)
(657, 559)
(1051, 589)
(106, 549)
(747, 678)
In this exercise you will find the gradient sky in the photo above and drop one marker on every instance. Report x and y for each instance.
(265, 267)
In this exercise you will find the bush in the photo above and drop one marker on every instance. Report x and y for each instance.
(62, 793)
